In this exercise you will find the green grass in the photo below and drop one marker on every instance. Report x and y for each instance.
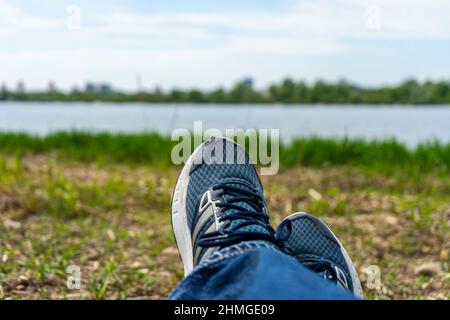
(138, 148)
(387, 156)
(113, 221)
(102, 202)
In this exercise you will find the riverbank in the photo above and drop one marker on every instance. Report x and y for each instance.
(112, 219)
(383, 156)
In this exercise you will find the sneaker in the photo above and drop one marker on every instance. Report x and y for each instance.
(217, 202)
(315, 246)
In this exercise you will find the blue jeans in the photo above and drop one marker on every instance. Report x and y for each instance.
(255, 271)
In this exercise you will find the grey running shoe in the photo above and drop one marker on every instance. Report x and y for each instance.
(218, 201)
(315, 246)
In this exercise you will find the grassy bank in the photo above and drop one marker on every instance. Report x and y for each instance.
(113, 221)
(386, 156)
(102, 202)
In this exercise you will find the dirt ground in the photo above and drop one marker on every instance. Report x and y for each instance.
(113, 223)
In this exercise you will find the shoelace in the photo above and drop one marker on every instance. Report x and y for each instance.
(233, 233)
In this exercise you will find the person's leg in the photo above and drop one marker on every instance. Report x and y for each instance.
(258, 271)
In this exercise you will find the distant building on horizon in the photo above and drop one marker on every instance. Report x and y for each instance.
(248, 82)
(51, 88)
(92, 87)
(20, 87)
(105, 88)
(139, 83)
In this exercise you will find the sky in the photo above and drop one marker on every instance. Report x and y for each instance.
(206, 44)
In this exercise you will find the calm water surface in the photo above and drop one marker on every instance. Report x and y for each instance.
(409, 124)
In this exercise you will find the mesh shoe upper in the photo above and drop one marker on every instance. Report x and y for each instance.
(311, 242)
(224, 177)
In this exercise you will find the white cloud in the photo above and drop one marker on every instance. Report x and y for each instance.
(416, 19)
(192, 48)
(12, 19)
(7, 9)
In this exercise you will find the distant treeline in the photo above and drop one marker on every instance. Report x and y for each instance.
(287, 92)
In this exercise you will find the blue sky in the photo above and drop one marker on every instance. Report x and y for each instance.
(205, 43)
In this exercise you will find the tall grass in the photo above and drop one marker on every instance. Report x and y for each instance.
(155, 149)
(385, 155)
(139, 148)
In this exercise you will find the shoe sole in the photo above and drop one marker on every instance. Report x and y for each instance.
(357, 289)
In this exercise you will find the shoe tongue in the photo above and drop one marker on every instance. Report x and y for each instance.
(245, 207)
(284, 231)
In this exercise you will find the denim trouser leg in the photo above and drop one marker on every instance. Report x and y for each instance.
(256, 271)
